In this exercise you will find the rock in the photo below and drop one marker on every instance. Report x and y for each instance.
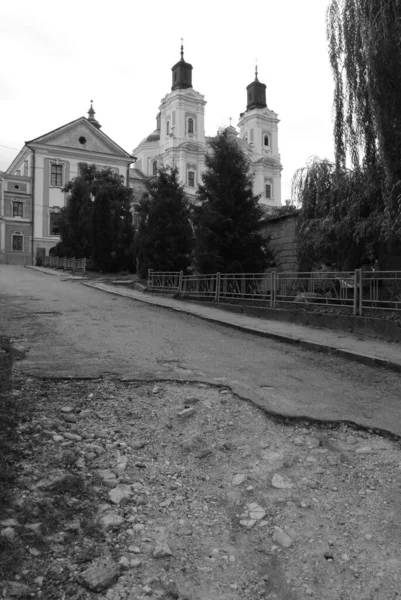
(256, 512)
(203, 453)
(248, 523)
(70, 418)
(134, 549)
(9, 523)
(364, 450)
(121, 494)
(110, 520)
(72, 436)
(108, 477)
(17, 590)
(275, 458)
(138, 527)
(162, 550)
(191, 400)
(156, 389)
(67, 409)
(122, 462)
(100, 575)
(138, 444)
(194, 441)
(187, 412)
(281, 483)
(135, 562)
(281, 538)
(124, 563)
(8, 533)
(57, 438)
(96, 448)
(238, 479)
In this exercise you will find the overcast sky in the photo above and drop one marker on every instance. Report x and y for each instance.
(56, 57)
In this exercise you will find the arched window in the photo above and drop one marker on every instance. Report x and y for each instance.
(154, 167)
(266, 140)
(190, 125)
(168, 127)
(268, 191)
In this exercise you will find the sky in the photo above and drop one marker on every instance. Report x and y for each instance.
(57, 57)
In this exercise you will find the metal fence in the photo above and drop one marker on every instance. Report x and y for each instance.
(67, 264)
(356, 291)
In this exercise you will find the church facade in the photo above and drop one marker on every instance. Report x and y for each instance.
(179, 138)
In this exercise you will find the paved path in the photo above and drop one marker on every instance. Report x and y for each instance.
(74, 330)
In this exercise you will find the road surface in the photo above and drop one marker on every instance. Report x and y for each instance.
(71, 330)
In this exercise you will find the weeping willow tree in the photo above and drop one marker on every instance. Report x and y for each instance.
(351, 213)
(364, 39)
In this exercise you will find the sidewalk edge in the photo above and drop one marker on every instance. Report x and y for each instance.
(365, 359)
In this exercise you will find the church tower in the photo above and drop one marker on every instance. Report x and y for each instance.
(258, 127)
(179, 138)
(182, 127)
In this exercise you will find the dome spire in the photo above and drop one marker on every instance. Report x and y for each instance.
(91, 117)
(256, 93)
(182, 73)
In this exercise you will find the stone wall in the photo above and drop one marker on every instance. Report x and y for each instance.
(282, 241)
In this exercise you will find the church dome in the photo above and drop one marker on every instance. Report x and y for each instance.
(256, 94)
(182, 74)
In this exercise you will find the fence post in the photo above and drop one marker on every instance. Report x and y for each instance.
(180, 283)
(150, 277)
(271, 289)
(274, 289)
(84, 265)
(217, 292)
(360, 292)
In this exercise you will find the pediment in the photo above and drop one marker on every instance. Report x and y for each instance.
(81, 135)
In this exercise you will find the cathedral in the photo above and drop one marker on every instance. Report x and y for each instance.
(179, 138)
(32, 188)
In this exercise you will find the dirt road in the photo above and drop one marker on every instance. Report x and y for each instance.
(154, 479)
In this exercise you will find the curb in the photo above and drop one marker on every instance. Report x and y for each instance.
(364, 359)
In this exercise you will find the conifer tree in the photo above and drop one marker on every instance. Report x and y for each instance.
(227, 221)
(164, 238)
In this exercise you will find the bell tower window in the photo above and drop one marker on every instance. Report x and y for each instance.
(268, 191)
(191, 178)
(154, 167)
(266, 141)
(190, 125)
(168, 127)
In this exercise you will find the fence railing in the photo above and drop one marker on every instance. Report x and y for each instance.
(358, 291)
(67, 264)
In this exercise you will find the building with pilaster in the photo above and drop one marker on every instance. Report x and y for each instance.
(31, 190)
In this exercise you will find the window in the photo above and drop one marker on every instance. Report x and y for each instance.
(190, 125)
(18, 209)
(168, 127)
(155, 167)
(54, 222)
(191, 178)
(18, 242)
(268, 190)
(56, 175)
(266, 140)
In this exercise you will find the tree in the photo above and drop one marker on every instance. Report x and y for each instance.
(164, 238)
(365, 53)
(97, 221)
(76, 217)
(340, 216)
(227, 221)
